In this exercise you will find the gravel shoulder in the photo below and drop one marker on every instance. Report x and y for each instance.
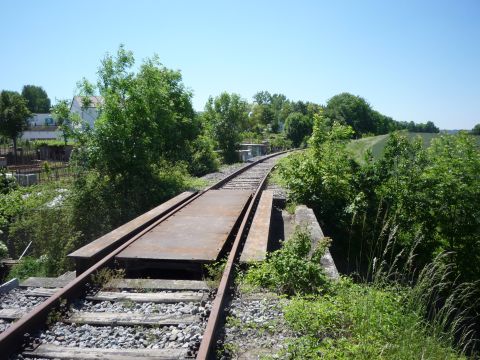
(255, 327)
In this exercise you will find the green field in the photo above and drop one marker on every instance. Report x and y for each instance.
(377, 144)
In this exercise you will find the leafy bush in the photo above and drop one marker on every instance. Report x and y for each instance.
(204, 159)
(3, 250)
(41, 215)
(293, 269)
(322, 176)
(279, 142)
(423, 198)
(29, 266)
(398, 212)
(6, 183)
(100, 203)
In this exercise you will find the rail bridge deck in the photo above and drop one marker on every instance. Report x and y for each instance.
(196, 233)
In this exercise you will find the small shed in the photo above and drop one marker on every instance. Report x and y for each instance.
(252, 150)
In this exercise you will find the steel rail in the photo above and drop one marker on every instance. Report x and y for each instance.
(209, 335)
(14, 336)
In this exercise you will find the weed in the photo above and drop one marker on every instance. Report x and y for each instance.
(294, 269)
(290, 207)
(214, 272)
(128, 304)
(29, 266)
(104, 276)
(56, 315)
(229, 349)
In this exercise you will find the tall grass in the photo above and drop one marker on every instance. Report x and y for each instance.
(446, 307)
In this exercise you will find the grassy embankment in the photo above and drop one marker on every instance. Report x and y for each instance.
(377, 144)
(344, 320)
(387, 315)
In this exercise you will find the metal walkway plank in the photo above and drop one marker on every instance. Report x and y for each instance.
(95, 247)
(196, 233)
(255, 248)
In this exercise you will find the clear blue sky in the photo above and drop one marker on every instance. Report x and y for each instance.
(412, 60)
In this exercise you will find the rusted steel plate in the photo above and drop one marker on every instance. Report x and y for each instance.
(195, 233)
(255, 248)
(108, 240)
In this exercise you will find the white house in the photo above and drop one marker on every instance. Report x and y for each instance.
(41, 127)
(41, 120)
(87, 113)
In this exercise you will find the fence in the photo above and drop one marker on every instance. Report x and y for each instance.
(40, 173)
(28, 153)
(25, 154)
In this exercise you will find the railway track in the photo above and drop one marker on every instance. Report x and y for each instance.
(99, 314)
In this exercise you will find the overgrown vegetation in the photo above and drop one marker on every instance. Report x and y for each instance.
(426, 197)
(362, 322)
(29, 266)
(383, 318)
(396, 215)
(144, 149)
(293, 269)
(104, 276)
(214, 272)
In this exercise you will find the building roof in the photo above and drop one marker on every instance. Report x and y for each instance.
(95, 101)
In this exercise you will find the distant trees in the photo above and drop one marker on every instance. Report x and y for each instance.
(37, 99)
(351, 110)
(428, 127)
(297, 128)
(476, 130)
(270, 110)
(14, 116)
(355, 111)
(226, 116)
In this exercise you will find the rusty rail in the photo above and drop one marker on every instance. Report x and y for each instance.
(14, 336)
(209, 336)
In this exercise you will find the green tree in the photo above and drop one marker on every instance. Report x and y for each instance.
(37, 99)
(353, 111)
(476, 130)
(271, 110)
(297, 128)
(262, 98)
(226, 116)
(14, 116)
(262, 116)
(67, 121)
(428, 127)
(145, 117)
(137, 154)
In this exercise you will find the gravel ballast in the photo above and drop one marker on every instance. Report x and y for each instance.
(254, 327)
(19, 299)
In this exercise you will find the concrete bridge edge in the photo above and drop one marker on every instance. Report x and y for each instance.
(305, 217)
